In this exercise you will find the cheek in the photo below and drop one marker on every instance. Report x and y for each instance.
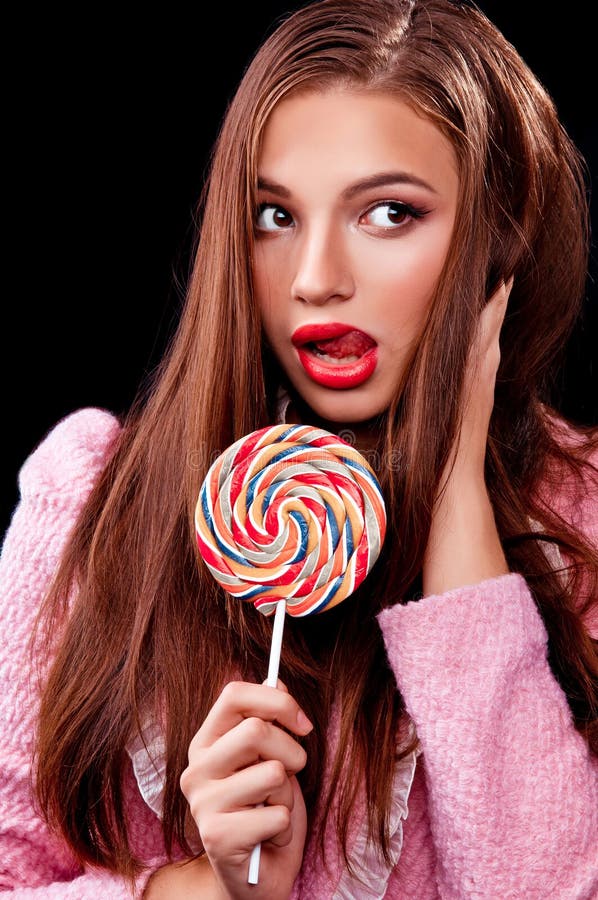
(405, 276)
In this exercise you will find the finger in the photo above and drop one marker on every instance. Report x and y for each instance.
(501, 293)
(226, 834)
(283, 838)
(502, 299)
(493, 315)
(240, 700)
(252, 740)
(266, 782)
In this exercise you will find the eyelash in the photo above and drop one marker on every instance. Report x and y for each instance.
(413, 212)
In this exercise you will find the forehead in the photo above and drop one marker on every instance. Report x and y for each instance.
(343, 135)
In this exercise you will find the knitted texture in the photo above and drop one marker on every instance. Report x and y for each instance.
(504, 802)
(54, 482)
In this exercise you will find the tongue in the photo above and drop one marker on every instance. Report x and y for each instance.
(355, 343)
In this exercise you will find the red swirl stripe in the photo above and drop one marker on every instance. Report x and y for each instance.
(290, 512)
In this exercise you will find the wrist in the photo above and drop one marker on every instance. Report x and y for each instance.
(464, 546)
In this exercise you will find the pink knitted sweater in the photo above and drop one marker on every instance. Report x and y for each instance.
(504, 795)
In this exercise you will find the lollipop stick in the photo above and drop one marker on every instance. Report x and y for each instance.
(271, 681)
(276, 645)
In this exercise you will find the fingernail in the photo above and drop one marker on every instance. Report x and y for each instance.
(303, 722)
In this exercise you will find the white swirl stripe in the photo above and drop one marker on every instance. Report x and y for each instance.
(290, 512)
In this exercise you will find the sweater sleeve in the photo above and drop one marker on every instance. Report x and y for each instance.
(54, 482)
(512, 786)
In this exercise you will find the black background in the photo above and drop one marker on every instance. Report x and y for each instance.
(109, 124)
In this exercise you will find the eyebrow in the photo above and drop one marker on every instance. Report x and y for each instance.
(379, 179)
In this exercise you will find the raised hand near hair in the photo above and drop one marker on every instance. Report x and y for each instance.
(464, 546)
(241, 757)
(467, 460)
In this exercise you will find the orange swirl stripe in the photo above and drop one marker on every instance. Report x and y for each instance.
(293, 512)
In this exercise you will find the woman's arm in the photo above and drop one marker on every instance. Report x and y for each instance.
(512, 786)
(464, 546)
(54, 482)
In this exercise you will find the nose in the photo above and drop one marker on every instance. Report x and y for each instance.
(322, 272)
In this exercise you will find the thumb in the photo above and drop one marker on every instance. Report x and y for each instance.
(280, 685)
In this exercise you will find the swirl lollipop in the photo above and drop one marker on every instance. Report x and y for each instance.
(290, 518)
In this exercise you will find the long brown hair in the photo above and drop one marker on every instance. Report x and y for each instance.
(150, 631)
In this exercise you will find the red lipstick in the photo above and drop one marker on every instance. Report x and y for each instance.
(336, 355)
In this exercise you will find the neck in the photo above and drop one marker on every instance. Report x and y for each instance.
(361, 435)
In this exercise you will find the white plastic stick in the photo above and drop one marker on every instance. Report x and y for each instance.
(271, 681)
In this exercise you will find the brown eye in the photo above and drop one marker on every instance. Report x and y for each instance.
(273, 218)
(389, 214)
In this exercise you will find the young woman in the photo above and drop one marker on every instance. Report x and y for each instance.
(391, 177)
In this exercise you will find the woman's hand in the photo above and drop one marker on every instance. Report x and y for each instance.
(242, 757)
(469, 452)
(464, 547)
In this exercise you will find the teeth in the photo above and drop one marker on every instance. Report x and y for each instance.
(339, 362)
(333, 359)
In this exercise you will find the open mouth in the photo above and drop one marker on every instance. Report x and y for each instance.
(347, 348)
(336, 355)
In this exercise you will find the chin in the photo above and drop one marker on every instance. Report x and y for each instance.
(345, 407)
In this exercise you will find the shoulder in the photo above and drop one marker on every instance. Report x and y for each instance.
(70, 456)
(54, 483)
(570, 483)
(575, 437)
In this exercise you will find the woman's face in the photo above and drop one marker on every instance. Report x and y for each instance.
(357, 200)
